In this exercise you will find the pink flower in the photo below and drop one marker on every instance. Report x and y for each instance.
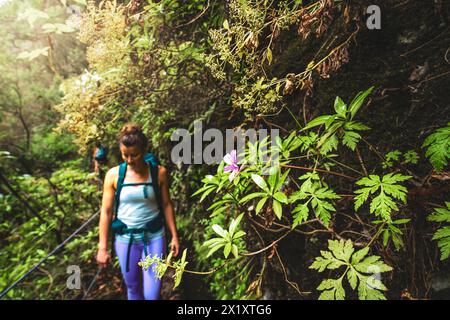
(231, 160)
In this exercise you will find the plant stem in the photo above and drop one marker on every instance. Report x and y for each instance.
(320, 170)
(376, 234)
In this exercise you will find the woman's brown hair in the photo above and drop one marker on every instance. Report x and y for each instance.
(131, 135)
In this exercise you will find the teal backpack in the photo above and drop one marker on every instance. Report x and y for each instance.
(101, 153)
(117, 226)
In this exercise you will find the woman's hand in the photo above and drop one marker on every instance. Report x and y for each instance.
(174, 246)
(103, 257)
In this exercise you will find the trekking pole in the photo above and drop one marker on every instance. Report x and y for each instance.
(48, 255)
(92, 283)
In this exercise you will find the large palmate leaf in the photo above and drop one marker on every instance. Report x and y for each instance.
(360, 269)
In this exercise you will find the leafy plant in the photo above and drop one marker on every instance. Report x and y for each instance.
(442, 235)
(341, 124)
(32, 15)
(258, 155)
(288, 145)
(6, 155)
(212, 183)
(270, 190)
(179, 266)
(316, 195)
(360, 270)
(383, 204)
(392, 231)
(230, 279)
(226, 239)
(160, 266)
(409, 156)
(390, 158)
(438, 147)
(30, 55)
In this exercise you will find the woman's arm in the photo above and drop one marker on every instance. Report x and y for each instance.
(168, 209)
(103, 255)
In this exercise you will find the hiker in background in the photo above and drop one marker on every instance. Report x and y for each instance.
(137, 191)
(100, 158)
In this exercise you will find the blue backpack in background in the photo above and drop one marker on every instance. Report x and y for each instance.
(101, 153)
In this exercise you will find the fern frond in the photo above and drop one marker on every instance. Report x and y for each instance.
(438, 147)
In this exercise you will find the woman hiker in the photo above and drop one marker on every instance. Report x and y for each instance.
(141, 208)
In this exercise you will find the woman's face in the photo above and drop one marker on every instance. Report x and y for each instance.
(132, 155)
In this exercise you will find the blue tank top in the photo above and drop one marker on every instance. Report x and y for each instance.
(138, 206)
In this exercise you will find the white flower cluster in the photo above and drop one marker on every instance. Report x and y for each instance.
(88, 81)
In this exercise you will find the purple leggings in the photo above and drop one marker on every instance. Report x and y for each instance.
(141, 285)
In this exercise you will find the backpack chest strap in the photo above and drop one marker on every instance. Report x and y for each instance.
(137, 184)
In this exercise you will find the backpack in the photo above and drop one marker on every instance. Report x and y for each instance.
(117, 226)
(101, 153)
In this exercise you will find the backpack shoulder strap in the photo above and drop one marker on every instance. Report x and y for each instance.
(120, 180)
(154, 173)
(151, 160)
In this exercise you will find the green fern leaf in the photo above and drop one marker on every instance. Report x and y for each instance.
(360, 271)
(411, 157)
(442, 235)
(383, 204)
(329, 145)
(319, 198)
(438, 147)
(350, 139)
